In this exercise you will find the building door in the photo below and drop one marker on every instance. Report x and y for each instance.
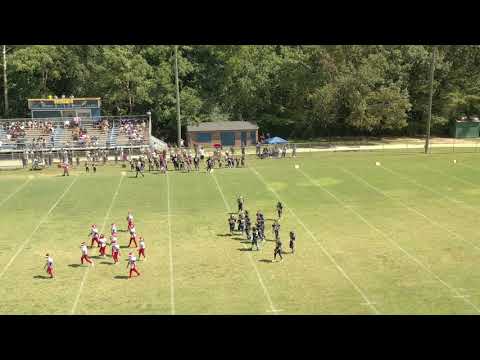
(227, 138)
(244, 138)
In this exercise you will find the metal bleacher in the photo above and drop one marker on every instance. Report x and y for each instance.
(64, 129)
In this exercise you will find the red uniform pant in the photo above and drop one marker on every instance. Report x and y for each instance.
(133, 270)
(94, 240)
(50, 271)
(132, 239)
(102, 250)
(86, 258)
(115, 256)
(141, 252)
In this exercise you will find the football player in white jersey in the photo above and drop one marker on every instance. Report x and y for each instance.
(103, 245)
(132, 263)
(85, 256)
(49, 266)
(141, 249)
(115, 249)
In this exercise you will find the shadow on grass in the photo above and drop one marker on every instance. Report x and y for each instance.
(121, 277)
(223, 235)
(238, 238)
(106, 263)
(244, 249)
(126, 247)
(74, 265)
(265, 260)
(41, 277)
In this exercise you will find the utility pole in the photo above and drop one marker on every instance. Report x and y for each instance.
(5, 88)
(429, 120)
(179, 124)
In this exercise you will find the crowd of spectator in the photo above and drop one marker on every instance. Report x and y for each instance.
(134, 129)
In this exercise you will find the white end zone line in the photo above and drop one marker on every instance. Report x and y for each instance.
(324, 250)
(259, 277)
(423, 266)
(170, 250)
(84, 279)
(15, 192)
(27, 240)
(411, 209)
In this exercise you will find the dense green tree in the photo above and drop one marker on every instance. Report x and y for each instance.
(291, 91)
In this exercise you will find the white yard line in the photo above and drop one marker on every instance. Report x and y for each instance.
(170, 250)
(84, 279)
(37, 227)
(412, 181)
(423, 266)
(16, 191)
(440, 226)
(259, 277)
(324, 250)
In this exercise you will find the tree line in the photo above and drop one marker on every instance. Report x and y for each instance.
(291, 91)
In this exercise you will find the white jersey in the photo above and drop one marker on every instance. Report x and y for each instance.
(102, 242)
(132, 261)
(142, 244)
(84, 249)
(133, 230)
(114, 228)
(94, 230)
(116, 247)
(130, 217)
(49, 262)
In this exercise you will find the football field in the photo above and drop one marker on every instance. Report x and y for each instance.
(400, 237)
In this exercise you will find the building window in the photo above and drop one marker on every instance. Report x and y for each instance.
(204, 137)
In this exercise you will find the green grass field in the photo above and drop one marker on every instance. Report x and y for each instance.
(399, 238)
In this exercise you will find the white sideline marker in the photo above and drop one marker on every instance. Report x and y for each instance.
(37, 227)
(454, 161)
(16, 191)
(259, 277)
(455, 291)
(324, 250)
(297, 166)
(378, 163)
(74, 307)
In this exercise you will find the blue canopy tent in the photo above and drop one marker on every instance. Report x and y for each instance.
(276, 140)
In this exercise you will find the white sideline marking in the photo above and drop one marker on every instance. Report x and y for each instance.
(37, 227)
(170, 251)
(16, 191)
(455, 201)
(84, 279)
(330, 257)
(365, 182)
(265, 290)
(394, 243)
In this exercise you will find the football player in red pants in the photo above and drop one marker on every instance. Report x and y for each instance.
(49, 266)
(85, 254)
(132, 262)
